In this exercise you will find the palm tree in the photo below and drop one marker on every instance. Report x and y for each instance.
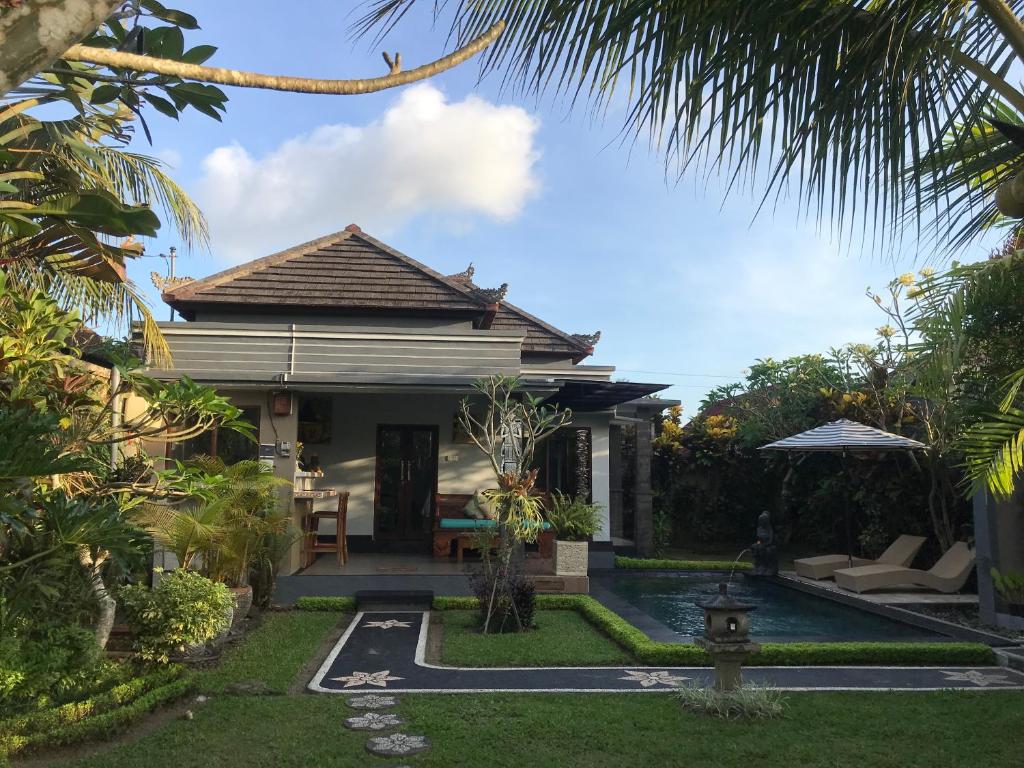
(867, 110)
(72, 199)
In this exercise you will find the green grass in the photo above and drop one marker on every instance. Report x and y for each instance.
(837, 730)
(653, 564)
(273, 653)
(561, 638)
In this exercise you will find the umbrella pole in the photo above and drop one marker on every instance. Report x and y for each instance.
(846, 510)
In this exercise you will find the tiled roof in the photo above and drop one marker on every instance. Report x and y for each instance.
(350, 271)
(541, 338)
(347, 270)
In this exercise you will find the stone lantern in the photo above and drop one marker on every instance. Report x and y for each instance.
(727, 637)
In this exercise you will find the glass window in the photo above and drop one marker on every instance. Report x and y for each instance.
(563, 462)
(225, 444)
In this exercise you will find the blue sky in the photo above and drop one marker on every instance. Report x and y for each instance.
(587, 231)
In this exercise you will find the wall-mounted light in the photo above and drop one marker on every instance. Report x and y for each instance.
(281, 403)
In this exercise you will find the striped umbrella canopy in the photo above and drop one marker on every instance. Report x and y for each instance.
(842, 436)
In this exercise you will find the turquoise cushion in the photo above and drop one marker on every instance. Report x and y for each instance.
(464, 523)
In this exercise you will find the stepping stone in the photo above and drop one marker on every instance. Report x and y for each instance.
(397, 745)
(373, 721)
(372, 701)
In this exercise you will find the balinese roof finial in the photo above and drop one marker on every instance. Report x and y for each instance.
(492, 295)
(465, 276)
(587, 340)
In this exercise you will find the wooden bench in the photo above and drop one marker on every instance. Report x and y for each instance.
(451, 506)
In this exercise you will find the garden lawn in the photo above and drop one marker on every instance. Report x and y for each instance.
(837, 730)
(273, 653)
(560, 638)
(827, 730)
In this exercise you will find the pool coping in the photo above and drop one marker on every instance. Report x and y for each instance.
(659, 632)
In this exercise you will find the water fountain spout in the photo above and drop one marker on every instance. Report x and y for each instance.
(736, 562)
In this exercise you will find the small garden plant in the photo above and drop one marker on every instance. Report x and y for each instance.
(180, 614)
(749, 702)
(573, 518)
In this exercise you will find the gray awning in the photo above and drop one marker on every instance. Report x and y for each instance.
(601, 395)
(844, 435)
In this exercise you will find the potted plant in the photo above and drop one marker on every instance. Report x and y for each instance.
(1010, 586)
(225, 535)
(574, 521)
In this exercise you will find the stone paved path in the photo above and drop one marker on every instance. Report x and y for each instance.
(384, 652)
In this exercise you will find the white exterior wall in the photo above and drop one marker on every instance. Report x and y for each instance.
(349, 461)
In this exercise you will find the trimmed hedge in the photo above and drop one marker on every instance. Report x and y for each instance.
(650, 564)
(119, 695)
(340, 604)
(687, 655)
(98, 726)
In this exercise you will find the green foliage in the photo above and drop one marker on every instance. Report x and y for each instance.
(749, 702)
(649, 564)
(330, 604)
(573, 518)
(93, 703)
(42, 659)
(232, 530)
(874, 114)
(103, 725)
(1009, 585)
(184, 610)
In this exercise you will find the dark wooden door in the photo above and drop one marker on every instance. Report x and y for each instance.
(406, 484)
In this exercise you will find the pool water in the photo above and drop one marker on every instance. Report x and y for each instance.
(783, 614)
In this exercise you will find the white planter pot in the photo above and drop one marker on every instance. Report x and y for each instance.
(571, 558)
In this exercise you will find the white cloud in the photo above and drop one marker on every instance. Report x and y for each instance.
(425, 155)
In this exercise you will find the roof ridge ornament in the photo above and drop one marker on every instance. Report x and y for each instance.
(491, 295)
(587, 340)
(465, 276)
(164, 284)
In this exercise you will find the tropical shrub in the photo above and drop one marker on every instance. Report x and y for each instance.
(572, 517)
(184, 610)
(43, 663)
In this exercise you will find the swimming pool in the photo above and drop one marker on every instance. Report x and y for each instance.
(783, 613)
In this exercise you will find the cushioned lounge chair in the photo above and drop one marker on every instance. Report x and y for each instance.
(949, 574)
(901, 552)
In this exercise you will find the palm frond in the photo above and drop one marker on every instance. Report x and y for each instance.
(831, 102)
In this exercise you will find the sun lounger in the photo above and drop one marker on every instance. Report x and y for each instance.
(949, 574)
(901, 552)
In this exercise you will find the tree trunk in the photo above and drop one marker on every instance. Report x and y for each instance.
(107, 604)
(35, 33)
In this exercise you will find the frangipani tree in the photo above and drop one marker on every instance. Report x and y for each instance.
(508, 429)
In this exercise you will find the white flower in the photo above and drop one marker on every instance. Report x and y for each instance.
(380, 679)
(649, 679)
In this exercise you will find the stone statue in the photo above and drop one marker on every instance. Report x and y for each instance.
(766, 556)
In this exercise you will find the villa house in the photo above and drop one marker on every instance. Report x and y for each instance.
(362, 355)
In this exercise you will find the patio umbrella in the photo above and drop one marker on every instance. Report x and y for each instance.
(843, 437)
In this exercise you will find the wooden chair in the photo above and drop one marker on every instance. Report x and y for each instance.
(311, 523)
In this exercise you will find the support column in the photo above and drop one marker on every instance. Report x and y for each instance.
(644, 533)
(615, 482)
